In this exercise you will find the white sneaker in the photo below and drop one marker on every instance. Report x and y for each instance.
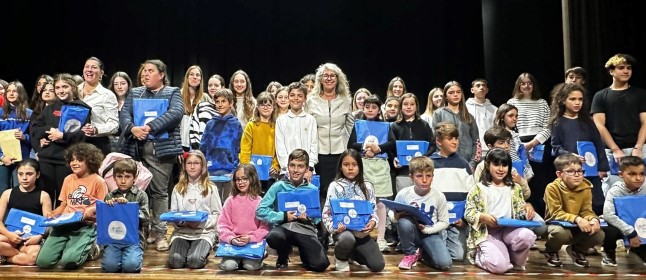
(95, 252)
(162, 245)
(383, 245)
(343, 266)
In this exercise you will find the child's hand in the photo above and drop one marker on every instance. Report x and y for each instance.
(193, 224)
(635, 242)
(459, 223)
(369, 227)
(273, 172)
(530, 211)
(396, 163)
(584, 225)
(33, 240)
(291, 216)
(596, 226)
(488, 220)
(89, 214)
(308, 175)
(44, 142)
(340, 228)
(8, 160)
(515, 176)
(54, 134)
(400, 214)
(602, 174)
(369, 153)
(14, 238)
(50, 215)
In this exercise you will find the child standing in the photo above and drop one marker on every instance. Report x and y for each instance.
(375, 162)
(455, 112)
(244, 101)
(14, 115)
(13, 247)
(506, 117)
(569, 198)
(191, 242)
(498, 249)
(221, 140)
(119, 257)
(570, 123)
(391, 110)
(351, 184)
(238, 224)
(631, 170)
(288, 229)
(259, 134)
(70, 244)
(452, 178)
(412, 234)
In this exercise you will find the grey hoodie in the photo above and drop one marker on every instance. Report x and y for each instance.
(468, 133)
(619, 189)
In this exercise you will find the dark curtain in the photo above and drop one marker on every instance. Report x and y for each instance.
(603, 28)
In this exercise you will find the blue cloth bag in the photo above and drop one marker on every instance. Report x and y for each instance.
(72, 118)
(632, 210)
(354, 214)
(407, 150)
(27, 223)
(145, 110)
(316, 181)
(421, 217)
(567, 224)
(263, 165)
(184, 216)
(519, 165)
(254, 251)
(537, 153)
(300, 201)
(118, 224)
(588, 151)
(456, 210)
(369, 131)
(64, 219)
(515, 223)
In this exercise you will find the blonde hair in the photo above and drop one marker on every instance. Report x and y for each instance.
(199, 92)
(204, 181)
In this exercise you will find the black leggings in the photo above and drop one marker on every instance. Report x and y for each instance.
(52, 176)
(312, 254)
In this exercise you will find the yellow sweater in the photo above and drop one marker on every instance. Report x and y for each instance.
(258, 139)
(565, 204)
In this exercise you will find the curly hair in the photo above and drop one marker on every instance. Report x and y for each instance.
(85, 152)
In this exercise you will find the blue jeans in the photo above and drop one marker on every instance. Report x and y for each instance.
(126, 258)
(434, 249)
(8, 177)
(456, 241)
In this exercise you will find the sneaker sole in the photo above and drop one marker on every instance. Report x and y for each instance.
(554, 265)
(608, 264)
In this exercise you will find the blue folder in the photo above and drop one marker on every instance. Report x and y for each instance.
(300, 201)
(632, 210)
(570, 225)
(587, 150)
(354, 214)
(519, 165)
(64, 219)
(184, 216)
(372, 131)
(72, 118)
(118, 224)
(515, 223)
(254, 251)
(456, 210)
(316, 181)
(421, 217)
(221, 179)
(614, 167)
(263, 165)
(407, 150)
(145, 110)
(537, 153)
(27, 223)
(522, 153)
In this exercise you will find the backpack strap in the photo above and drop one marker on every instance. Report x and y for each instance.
(108, 168)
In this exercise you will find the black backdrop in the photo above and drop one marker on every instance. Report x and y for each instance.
(427, 43)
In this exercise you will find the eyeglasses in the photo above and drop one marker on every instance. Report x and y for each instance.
(242, 180)
(328, 77)
(526, 84)
(573, 172)
(266, 105)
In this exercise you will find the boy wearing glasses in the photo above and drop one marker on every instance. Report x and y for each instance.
(569, 198)
(221, 140)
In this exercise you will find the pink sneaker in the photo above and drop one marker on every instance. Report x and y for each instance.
(408, 262)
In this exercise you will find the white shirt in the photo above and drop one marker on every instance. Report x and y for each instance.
(105, 112)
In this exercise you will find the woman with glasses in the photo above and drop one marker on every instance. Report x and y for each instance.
(331, 105)
(532, 125)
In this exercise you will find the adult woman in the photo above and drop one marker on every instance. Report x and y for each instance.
(105, 115)
(532, 124)
(330, 104)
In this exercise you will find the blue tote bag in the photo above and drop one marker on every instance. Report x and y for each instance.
(184, 216)
(354, 214)
(421, 217)
(118, 224)
(632, 210)
(301, 201)
(537, 153)
(145, 110)
(63, 219)
(407, 150)
(263, 165)
(72, 118)
(456, 210)
(372, 131)
(588, 151)
(254, 251)
(27, 223)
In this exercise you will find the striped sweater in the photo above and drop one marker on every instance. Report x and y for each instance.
(533, 116)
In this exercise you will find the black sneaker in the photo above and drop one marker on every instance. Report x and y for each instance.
(391, 238)
(609, 259)
(577, 257)
(281, 264)
(553, 259)
(3, 260)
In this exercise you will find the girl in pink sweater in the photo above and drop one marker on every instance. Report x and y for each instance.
(238, 224)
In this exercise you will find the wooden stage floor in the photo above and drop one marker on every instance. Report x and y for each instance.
(155, 268)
